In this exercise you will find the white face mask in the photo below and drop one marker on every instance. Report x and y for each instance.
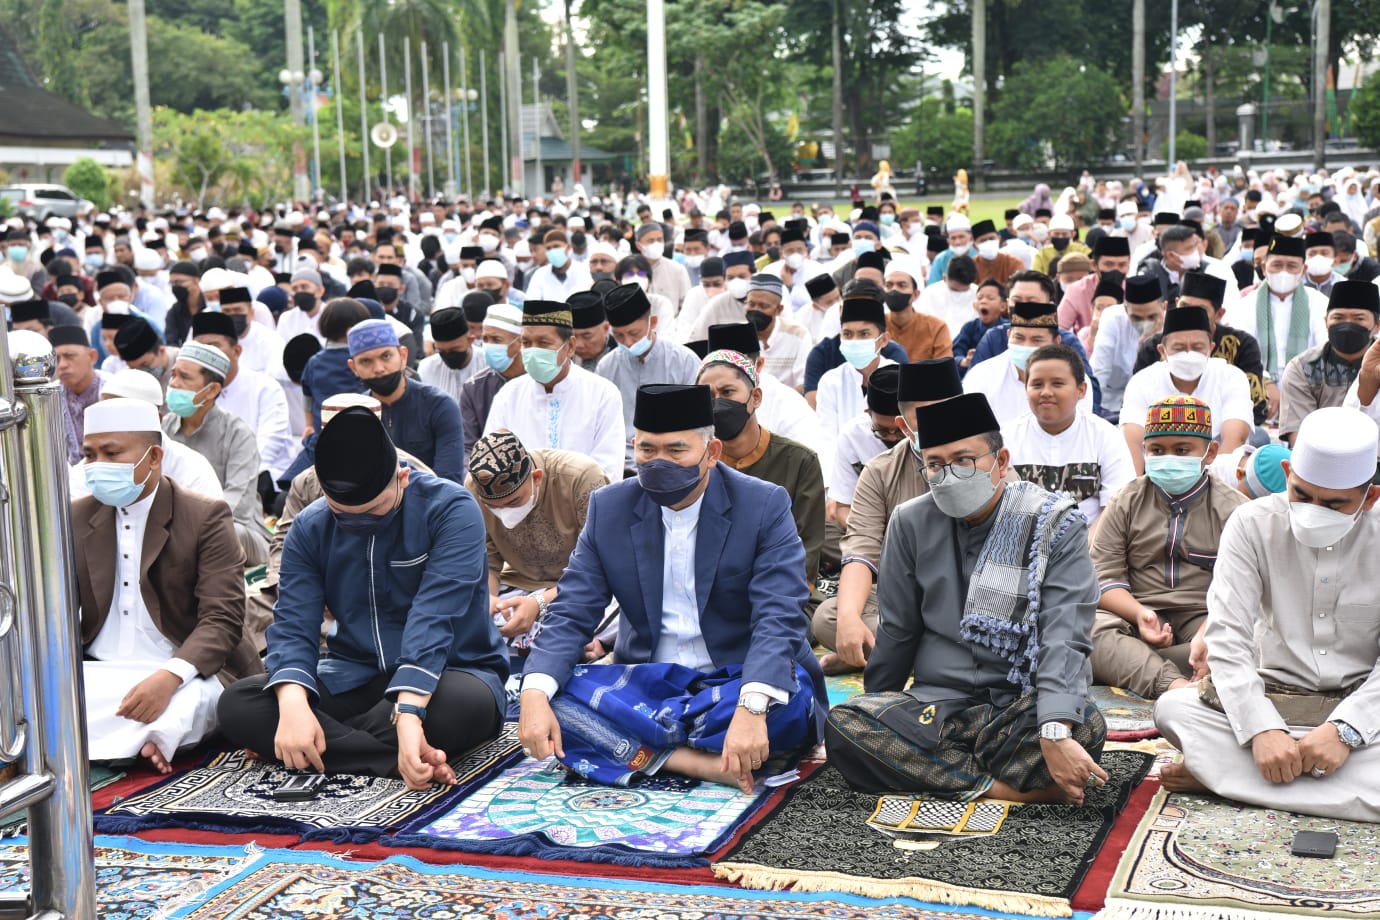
(694, 261)
(1282, 283)
(511, 517)
(1187, 365)
(989, 249)
(1319, 266)
(1317, 527)
(1040, 232)
(652, 251)
(794, 261)
(737, 288)
(639, 280)
(1190, 261)
(468, 275)
(488, 242)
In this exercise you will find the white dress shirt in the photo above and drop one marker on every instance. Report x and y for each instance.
(855, 446)
(546, 285)
(583, 413)
(998, 379)
(1223, 387)
(294, 322)
(259, 401)
(181, 464)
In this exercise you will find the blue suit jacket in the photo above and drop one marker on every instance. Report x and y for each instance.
(748, 565)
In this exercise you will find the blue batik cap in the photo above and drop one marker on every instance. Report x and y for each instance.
(371, 334)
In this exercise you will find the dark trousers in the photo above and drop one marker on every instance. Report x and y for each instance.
(360, 737)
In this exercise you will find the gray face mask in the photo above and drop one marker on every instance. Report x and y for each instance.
(963, 498)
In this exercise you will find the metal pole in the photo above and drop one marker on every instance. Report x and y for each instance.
(450, 120)
(514, 74)
(340, 115)
(465, 120)
(536, 128)
(363, 117)
(836, 14)
(39, 513)
(292, 13)
(658, 147)
(484, 115)
(572, 94)
(503, 121)
(979, 92)
(411, 120)
(1138, 80)
(1173, 86)
(139, 59)
(1322, 42)
(1265, 106)
(426, 125)
(383, 98)
(318, 191)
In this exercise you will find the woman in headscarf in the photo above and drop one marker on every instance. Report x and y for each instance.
(1037, 200)
(1352, 202)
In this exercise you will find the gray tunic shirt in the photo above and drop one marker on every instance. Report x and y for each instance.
(228, 444)
(927, 560)
(664, 362)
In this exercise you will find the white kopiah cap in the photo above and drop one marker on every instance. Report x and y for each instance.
(135, 384)
(111, 415)
(1336, 448)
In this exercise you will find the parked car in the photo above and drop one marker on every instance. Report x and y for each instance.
(39, 201)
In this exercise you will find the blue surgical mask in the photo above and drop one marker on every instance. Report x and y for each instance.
(182, 403)
(888, 219)
(638, 348)
(113, 483)
(668, 483)
(541, 364)
(497, 357)
(1020, 354)
(1127, 223)
(1175, 475)
(94, 260)
(557, 257)
(17, 253)
(365, 524)
(862, 246)
(858, 352)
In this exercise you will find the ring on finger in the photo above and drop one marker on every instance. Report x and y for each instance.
(1091, 780)
(1319, 772)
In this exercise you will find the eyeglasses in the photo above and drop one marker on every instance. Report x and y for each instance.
(890, 437)
(962, 468)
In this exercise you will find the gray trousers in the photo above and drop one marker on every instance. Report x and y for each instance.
(825, 623)
(1121, 658)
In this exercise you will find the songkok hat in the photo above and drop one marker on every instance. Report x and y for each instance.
(1265, 472)
(764, 282)
(625, 304)
(664, 407)
(983, 227)
(68, 335)
(235, 295)
(392, 271)
(1209, 287)
(1287, 246)
(928, 381)
(873, 258)
(475, 305)
(734, 359)
(546, 313)
(1182, 416)
(839, 239)
(1143, 289)
(363, 290)
(1108, 288)
(712, 267)
(122, 414)
(506, 317)
(208, 323)
(1106, 214)
(1186, 319)
(108, 277)
(1111, 246)
(965, 416)
(587, 309)
(935, 243)
(1319, 238)
(205, 356)
(135, 384)
(739, 337)
(820, 285)
(1039, 315)
(700, 236)
(863, 310)
(1351, 295)
(740, 257)
(449, 324)
(112, 319)
(29, 310)
(791, 235)
(1165, 219)
(297, 352)
(135, 338)
(491, 268)
(368, 335)
(499, 465)
(355, 459)
(332, 406)
(883, 390)
(471, 252)
(1335, 448)
(934, 210)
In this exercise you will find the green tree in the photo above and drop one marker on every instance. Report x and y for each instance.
(87, 179)
(1187, 147)
(1056, 112)
(943, 140)
(57, 51)
(227, 156)
(1364, 112)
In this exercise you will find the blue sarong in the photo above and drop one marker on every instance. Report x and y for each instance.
(619, 720)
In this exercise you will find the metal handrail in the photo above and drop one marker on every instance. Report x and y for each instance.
(42, 630)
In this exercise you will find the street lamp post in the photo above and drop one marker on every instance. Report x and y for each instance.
(314, 78)
(293, 81)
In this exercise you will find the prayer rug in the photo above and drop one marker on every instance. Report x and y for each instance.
(1129, 717)
(136, 880)
(538, 808)
(843, 687)
(925, 818)
(296, 885)
(1198, 856)
(819, 840)
(100, 778)
(234, 793)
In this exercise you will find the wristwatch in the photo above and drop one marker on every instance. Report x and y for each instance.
(1055, 731)
(540, 597)
(755, 703)
(408, 709)
(1350, 736)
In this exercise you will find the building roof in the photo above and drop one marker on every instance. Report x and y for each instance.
(554, 146)
(31, 115)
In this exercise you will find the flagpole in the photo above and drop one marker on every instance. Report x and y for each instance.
(465, 94)
(450, 120)
(339, 115)
(363, 117)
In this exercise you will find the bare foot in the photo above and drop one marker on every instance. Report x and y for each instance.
(1178, 682)
(1176, 778)
(1052, 794)
(154, 756)
(832, 664)
(700, 765)
(440, 770)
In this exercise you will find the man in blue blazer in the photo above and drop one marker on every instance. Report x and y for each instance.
(714, 670)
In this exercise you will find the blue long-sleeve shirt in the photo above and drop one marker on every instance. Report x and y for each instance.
(425, 422)
(993, 343)
(327, 373)
(411, 601)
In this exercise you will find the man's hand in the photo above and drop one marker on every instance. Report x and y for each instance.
(854, 641)
(1277, 756)
(493, 604)
(1197, 653)
(1323, 749)
(746, 747)
(1272, 394)
(300, 742)
(1070, 765)
(148, 699)
(419, 763)
(593, 652)
(968, 358)
(538, 729)
(1369, 378)
(521, 613)
(1153, 632)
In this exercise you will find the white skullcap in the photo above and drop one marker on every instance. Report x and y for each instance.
(506, 317)
(450, 224)
(295, 219)
(602, 248)
(218, 279)
(521, 249)
(905, 266)
(135, 384)
(426, 217)
(14, 288)
(1125, 208)
(1335, 448)
(1022, 220)
(490, 268)
(112, 415)
(957, 222)
(338, 403)
(146, 260)
(215, 214)
(576, 223)
(1061, 222)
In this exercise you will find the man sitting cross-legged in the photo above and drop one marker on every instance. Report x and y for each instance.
(1287, 717)
(715, 672)
(986, 595)
(397, 557)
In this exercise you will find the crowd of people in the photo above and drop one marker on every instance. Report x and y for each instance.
(352, 485)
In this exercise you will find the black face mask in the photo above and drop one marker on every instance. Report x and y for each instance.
(760, 321)
(180, 294)
(240, 323)
(1059, 243)
(387, 295)
(69, 299)
(774, 253)
(1113, 276)
(1348, 338)
(896, 301)
(455, 360)
(385, 384)
(730, 418)
(304, 301)
(601, 276)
